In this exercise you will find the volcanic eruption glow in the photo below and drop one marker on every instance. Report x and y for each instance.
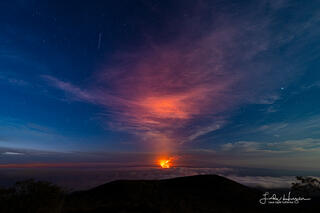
(165, 163)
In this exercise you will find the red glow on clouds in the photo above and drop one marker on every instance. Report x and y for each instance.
(165, 107)
(163, 90)
(169, 94)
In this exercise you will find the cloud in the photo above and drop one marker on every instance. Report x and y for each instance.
(239, 162)
(266, 182)
(13, 80)
(21, 134)
(73, 90)
(306, 125)
(300, 154)
(207, 129)
(88, 177)
(291, 146)
(173, 92)
(12, 153)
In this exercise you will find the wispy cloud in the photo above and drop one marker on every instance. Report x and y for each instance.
(177, 91)
(12, 153)
(13, 80)
(306, 125)
(291, 154)
(65, 86)
(292, 146)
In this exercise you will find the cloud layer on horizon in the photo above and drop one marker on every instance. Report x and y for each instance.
(92, 177)
(295, 155)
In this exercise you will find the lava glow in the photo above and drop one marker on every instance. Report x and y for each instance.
(165, 163)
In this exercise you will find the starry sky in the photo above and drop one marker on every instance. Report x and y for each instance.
(119, 83)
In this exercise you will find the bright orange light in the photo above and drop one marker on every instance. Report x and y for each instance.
(165, 163)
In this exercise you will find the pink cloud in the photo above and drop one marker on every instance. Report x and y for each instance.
(176, 92)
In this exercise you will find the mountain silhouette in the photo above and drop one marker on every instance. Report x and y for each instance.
(202, 193)
(191, 194)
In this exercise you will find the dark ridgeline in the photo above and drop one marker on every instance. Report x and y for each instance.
(202, 193)
(205, 193)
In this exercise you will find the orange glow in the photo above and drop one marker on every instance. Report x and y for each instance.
(166, 107)
(165, 163)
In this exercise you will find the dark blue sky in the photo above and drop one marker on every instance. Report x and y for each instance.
(234, 82)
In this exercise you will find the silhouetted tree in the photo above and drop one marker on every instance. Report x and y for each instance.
(32, 196)
(306, 185)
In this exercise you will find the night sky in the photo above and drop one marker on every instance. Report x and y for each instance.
(118, 84)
